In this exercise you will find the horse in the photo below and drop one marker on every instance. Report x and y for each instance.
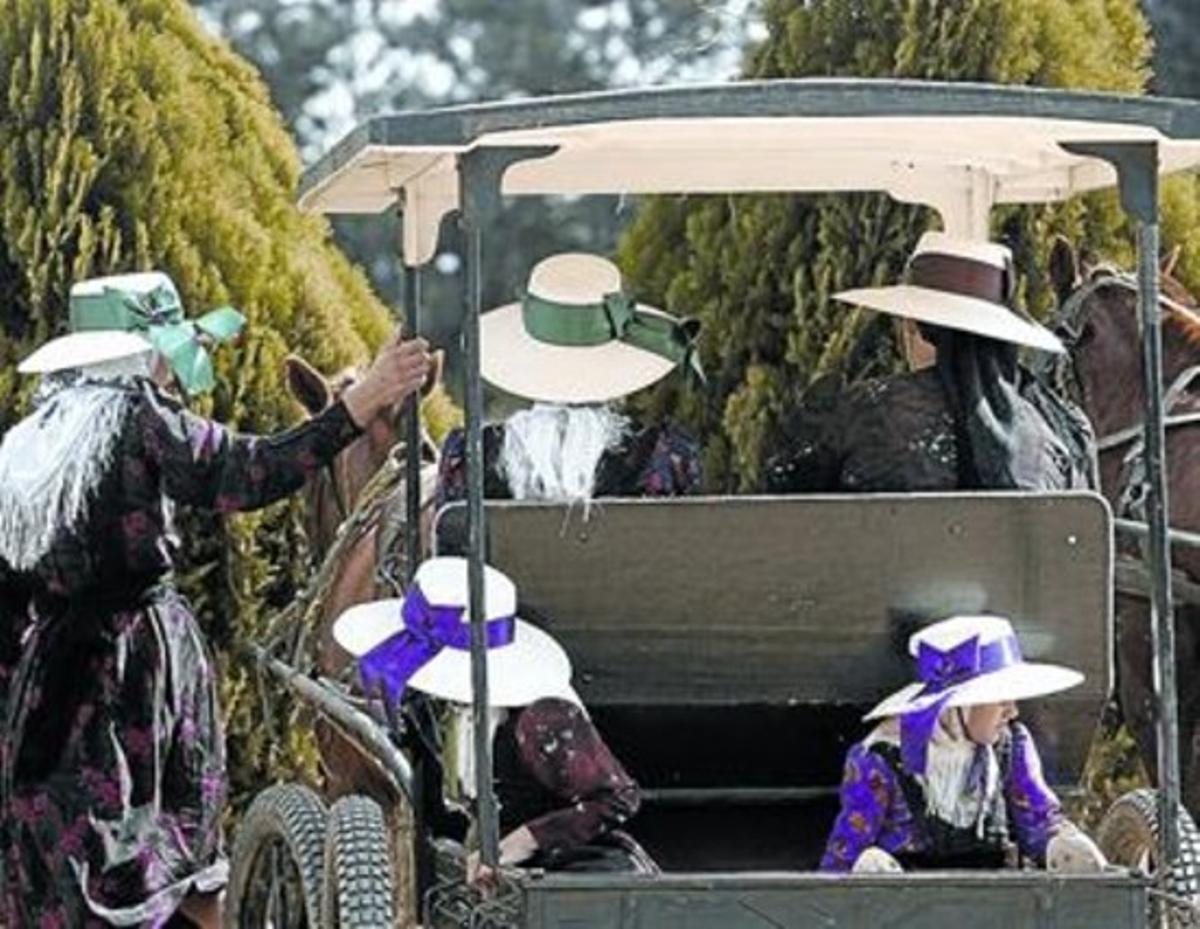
(356, 512)
(1097, 321)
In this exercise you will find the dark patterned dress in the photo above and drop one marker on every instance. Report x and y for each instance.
(897, 434)
(113, 759)
(651, 462)
(882, 807)
(557, 777)
(888, 434)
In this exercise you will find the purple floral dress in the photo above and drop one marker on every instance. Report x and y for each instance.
(652, 462)
(876, 810)
(113, 767)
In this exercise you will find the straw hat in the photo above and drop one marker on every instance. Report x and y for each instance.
(968, 660)
(84, 350)
(423, 640)
(959, 284)
(125, 315)
(577, 338)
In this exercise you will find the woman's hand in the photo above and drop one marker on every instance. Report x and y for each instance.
(516, 847)
(400, 369)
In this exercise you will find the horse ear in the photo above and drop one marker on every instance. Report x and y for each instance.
(437, 368)
(1166, 264)
(306, 384)
(1064, 268)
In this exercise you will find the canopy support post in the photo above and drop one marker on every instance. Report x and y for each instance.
(481, 171)
(1137, 173)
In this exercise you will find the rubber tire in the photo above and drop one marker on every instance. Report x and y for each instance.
(358, 891)
(294, 816)
(1130, 829)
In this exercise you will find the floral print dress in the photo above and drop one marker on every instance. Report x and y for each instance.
(112, 776)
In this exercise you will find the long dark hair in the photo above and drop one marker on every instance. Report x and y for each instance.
(1012, 432)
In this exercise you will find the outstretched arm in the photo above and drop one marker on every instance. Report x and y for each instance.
(204, 464)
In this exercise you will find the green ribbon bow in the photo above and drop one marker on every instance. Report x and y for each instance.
(158, 315)
(616, 317)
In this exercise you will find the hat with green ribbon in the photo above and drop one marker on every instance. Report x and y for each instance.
(148, 305)
(577, 337)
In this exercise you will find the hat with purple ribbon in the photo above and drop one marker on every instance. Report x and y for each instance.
(964, 661)
(424, 641)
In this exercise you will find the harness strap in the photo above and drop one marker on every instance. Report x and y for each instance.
(1173, 395)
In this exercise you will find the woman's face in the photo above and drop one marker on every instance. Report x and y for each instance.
(160, 372)
(917, 352)
(985, 721)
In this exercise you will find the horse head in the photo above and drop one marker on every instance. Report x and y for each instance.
(1097, 321)
(333, 494)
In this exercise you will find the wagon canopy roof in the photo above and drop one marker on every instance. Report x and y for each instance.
(959, 148)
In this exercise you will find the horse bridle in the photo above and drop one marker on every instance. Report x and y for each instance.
(1068, 325)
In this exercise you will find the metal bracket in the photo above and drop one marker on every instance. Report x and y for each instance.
(1137, 173)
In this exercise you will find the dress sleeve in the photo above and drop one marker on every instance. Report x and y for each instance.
(14, 618)
(564, 752)
(204, 464)
(807, 459)
(673, 468)
(868, 786)
(452, 469)
(1033, 808)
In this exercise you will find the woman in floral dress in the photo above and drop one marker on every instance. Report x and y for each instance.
(113, 768)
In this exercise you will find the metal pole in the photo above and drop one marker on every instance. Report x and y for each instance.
(1162, 611)
(473, 221)
(412, 436)
(479, 173)
(1137, 176)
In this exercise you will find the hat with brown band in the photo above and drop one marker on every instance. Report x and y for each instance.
(959, 284)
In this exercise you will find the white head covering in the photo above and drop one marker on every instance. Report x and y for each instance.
(529, 665)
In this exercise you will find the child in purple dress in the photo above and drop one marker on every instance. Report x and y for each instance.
(949, 778)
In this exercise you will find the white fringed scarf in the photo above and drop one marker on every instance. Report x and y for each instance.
(961, 777)
(553, 452)
(52, 461)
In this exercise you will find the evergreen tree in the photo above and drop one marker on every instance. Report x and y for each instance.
(391, 58)
(1176, 26)
(131, 139)
(759, 271)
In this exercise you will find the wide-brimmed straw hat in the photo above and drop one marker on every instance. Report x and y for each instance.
(125, 315)
(423, 641)
(577, 337)
(959, 284)
(965, 661)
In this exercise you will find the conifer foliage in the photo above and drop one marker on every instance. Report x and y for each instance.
(131, 139)
(759, 271)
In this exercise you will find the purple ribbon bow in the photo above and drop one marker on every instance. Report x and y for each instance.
(942, 672)
(427, 630)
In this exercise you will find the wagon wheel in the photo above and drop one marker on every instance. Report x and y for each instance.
(1128, 835)
(357, 868)
(275, 876)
